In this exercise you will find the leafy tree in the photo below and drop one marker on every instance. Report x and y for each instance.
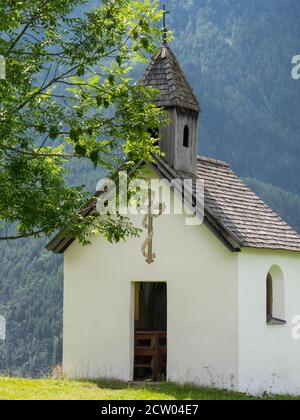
(68, 95)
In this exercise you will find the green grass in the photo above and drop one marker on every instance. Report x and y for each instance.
(62, 389)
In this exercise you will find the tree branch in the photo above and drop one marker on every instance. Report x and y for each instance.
(27, 26)
(25, 235)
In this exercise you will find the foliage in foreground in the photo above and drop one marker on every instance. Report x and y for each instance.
(49, 389)
(67, 95)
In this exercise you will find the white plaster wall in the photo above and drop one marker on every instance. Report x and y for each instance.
(201, 276)
(269, 358)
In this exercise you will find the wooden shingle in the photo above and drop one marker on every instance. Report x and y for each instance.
(165, 74)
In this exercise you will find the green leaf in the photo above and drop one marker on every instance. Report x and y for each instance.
(111, 79)
(99, 100)
(119, 60)
(94, 156)
(53, 132)
(75, 133)
(80, 71)
(80, 150)
(145, 43)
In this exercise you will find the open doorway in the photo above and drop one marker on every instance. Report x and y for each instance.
(150, 331)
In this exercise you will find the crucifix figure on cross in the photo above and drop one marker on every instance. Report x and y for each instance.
(153, 211)
(165, 30)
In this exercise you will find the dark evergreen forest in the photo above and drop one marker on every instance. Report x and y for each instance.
(237, 55)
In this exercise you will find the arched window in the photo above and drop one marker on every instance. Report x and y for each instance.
(186, 136)
(275, 296)
(269, 296)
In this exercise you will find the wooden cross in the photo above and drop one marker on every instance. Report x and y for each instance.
(147, 247)
(165, 30)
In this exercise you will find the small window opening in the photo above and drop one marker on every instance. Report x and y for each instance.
(269, 296)
(275, 297)
(186, 137)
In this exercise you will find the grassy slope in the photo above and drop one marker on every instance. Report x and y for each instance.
(51, 389)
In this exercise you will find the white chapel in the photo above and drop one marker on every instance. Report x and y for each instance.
(217, 304)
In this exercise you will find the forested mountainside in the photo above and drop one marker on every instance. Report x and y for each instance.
(237, 56)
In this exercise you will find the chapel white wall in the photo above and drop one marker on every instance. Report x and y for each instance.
(202, 280)
(269, 357)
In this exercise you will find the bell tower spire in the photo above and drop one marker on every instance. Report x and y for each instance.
(179, 139)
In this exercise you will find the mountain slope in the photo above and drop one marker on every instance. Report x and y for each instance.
(237, 55)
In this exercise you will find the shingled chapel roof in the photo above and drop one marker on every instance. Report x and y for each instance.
(165, 74)
(232, 211)
(229, 200)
